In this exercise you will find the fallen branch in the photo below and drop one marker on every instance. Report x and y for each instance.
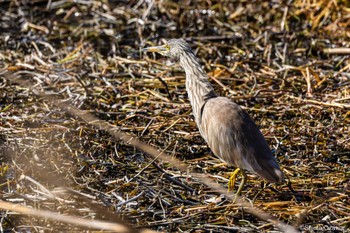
(95, 224)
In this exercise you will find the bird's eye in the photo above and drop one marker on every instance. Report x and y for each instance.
(167, 47)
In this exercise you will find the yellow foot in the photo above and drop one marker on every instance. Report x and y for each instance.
(232, 181)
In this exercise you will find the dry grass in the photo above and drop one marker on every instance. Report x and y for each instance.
(287, 65)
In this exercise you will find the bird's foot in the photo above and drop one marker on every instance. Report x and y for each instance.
(232, 180)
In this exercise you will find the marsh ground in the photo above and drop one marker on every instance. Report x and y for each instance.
(286, 63)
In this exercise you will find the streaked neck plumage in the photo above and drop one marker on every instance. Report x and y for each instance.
(198, 87)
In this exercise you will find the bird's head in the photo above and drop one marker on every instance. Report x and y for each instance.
(174, 48)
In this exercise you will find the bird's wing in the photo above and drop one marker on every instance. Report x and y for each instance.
(233, 137)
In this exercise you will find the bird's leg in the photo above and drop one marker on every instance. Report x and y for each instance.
(244, 179)
(232, 180)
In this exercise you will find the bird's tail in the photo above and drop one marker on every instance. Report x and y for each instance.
(271, 172)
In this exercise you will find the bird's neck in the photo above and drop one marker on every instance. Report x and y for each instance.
(198, 87)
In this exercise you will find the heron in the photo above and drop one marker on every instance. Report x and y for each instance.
(229, 131)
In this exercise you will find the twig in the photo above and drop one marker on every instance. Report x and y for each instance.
(167, 176)
(130, 200)
(45, 190)
(343, 51)
(95, 224)
(166, 86)
(338, 105)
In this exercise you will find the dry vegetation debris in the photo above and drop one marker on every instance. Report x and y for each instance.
(286, 62)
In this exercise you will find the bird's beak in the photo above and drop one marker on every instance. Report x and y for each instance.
(158, 49)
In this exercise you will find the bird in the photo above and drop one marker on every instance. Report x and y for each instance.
(229, 131)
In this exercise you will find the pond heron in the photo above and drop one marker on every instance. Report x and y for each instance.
(229, 131)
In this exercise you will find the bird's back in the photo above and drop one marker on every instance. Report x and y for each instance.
(233, 136)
